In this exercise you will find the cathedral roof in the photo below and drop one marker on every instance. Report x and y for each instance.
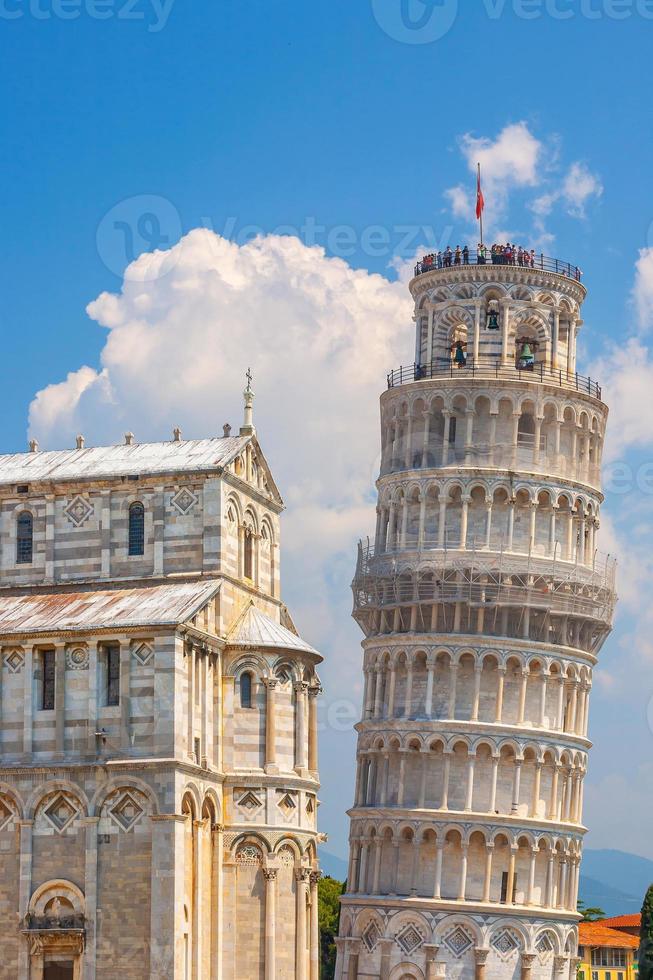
(254, 629)
(156, 605)
(107, 462)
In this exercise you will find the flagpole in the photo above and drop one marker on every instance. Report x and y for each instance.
(481, 213)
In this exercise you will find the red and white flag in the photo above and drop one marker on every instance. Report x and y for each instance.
(480, 200)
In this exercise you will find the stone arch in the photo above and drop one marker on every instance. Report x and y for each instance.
(121, 782)
(191, 797)
(13, 798)
(447, 925)
(51, 788)
(407, 971)
(249, 837)
(57, 888)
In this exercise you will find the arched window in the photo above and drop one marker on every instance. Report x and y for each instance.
(137, 529)
(24, 538)
(246, 690)
(248, 558)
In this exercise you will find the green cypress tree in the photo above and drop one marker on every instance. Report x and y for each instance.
(646, 938)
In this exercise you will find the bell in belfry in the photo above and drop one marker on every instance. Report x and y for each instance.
(493, 320)
(526, 358)
(459, 354)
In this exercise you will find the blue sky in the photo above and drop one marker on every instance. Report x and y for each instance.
(123, 134)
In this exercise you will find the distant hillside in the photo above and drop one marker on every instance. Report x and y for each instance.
(628, 873)
(333, 866)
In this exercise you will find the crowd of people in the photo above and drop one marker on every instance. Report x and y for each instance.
(509, 254)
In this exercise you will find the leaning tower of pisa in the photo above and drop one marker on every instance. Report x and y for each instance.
(484, 603)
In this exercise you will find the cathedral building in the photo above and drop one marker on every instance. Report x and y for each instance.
(484, 602)
(158, 719)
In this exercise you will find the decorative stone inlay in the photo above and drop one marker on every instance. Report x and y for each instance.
(544, 945)
(14, 661)
(250, 801)
(371, 936)
(5, 815)
(409, 939)
(127, 812)
(459, 941)
(505, 943)
(77, 658)
(78, 511)
(287, 804)
(249, 854)
(310, 806)
(184, 501)
(61, 813)
(143, 653)
(286, 857)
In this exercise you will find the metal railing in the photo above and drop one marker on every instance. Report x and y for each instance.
(451, 260)
(598, 569)
(446, 368)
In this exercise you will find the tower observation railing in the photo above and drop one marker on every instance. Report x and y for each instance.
(558, 599)
(529, 260)
(491, 368)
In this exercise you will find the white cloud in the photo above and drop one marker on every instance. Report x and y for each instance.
(518, 161)
(507, 162)
(626, 375)
(643, 289)
(319, 337)
(578, 187)
(512, 158)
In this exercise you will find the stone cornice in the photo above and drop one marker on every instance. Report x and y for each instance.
(462, 642)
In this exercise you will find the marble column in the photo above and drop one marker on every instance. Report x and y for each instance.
(302, 875)
(314, 928)
(270, 726)
(270, 875)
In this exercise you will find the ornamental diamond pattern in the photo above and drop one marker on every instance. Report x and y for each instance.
(459, 941)
(184, 501)
(371, 936)
(544, 944)
(61, 813)
(143, 653)
(127, 812)
(287, 803)
(14, 661)
(78, 511)
(250, 802)
(409, 939)
(505, 942)
(5, 815)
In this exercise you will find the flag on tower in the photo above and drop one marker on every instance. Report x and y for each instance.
(480, 200)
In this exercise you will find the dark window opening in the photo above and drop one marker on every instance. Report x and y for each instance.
(452, 429)
(48, 668)
(249, 555)
(198, 752)
(504, 888)
(24, 539)
(137, 529)
(246, 690)
(113, 675)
